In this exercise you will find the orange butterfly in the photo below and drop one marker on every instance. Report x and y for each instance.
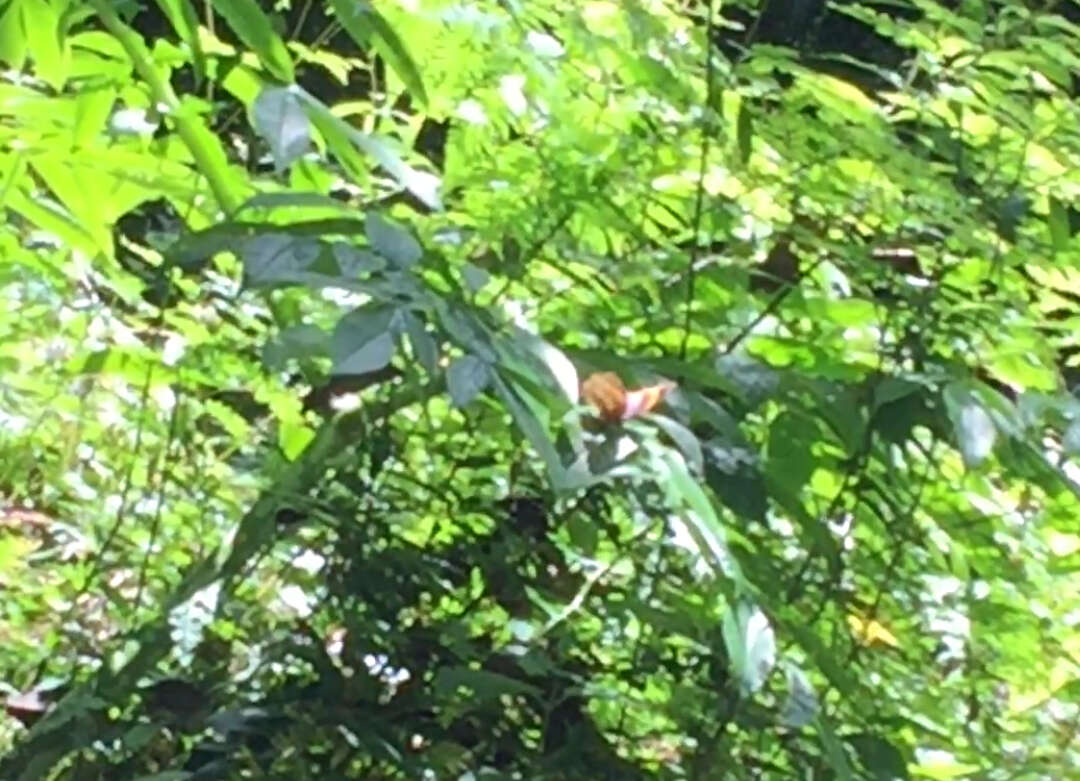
(606, 392)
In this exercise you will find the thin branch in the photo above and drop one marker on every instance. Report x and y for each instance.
(699, 198)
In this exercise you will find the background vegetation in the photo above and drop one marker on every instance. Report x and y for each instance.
(297, 299)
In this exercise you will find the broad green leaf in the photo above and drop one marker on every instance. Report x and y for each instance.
(45, 41)
(344, 139)
(12, 40)
(466, 377)
(483, 684)
(293, 438)
(534, 431)
(252, 26)
(751, 646)
(1057, 223)
(295, 343)
(744, 133)
(684, 439)
(392, 241)
(184, 19)
(280, 119)
(423, 344)
(802, 705)
(834, 749)
(879, 757)
(367, 26)
(275, 258)
(974, 428)
(363, 340)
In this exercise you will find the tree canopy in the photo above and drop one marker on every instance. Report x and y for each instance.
(481, 389)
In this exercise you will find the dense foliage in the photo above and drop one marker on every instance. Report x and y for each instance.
(297, 477)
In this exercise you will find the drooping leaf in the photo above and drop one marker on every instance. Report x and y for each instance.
(392, 242)
(744, 132)
(424, 347)
(280, 119)
(365, 25)
(183, 18)
(973, 426)
(254, 28)
(802, 705)
(276, 258)
(879, 757)
(363, 340)
(685, 440)
(466, 377)
(751, 646)
(1057, 222)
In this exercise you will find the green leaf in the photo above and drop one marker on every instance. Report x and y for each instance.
(12, 41)
(45, 41)
(392, 242)
(744, 132)
(276, 258)
(834, 749)
(1057, 222)
(466, 378)
(751, 646)
(684, 439)
(879, 757)
(973, 426)
(424, 347)
(182, 16)
(280, 119)
(253, 27)
(483, 684)
(293, 438)
(363, 340)
(363, 23)
(297, 342)
(534, 431)
(342, 138)
(802, 705)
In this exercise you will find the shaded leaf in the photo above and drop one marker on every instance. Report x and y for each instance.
(253, 27)
(363, 341)
(466, 378)
(1057, 222)
(281, 121)
(392, 242)
(973, 426)
(751, 646)
(366, 25)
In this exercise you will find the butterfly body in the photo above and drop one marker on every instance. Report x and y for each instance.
(606, 392)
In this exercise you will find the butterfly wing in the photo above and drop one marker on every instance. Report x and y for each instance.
(606, 392)
(643, 400)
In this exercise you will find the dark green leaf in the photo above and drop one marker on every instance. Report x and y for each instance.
(484, 685)
(182, 16)
(744, 132)
(363, 340)
(253, 27)
(466, 378)
(684, 439)
(281, 121)
(1058, 224)
(275, 258)
(366, 25)
(879, 757)
(973, 426)
(424, 347)
(392, 241)
(296, 343)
